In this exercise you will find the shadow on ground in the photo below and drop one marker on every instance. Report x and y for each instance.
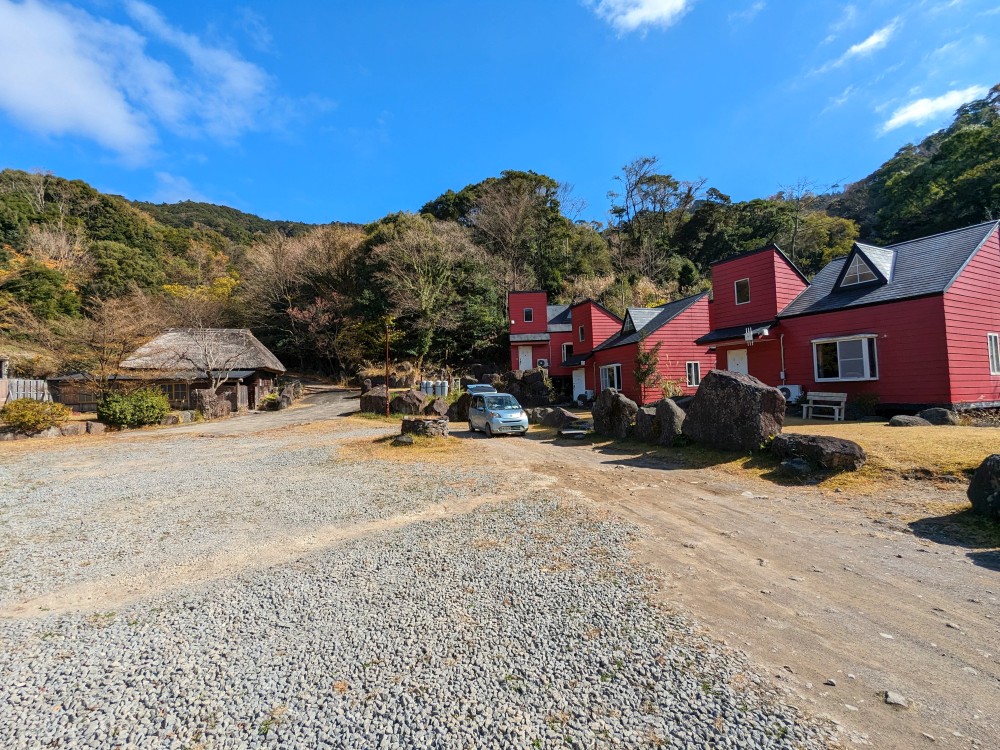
(966, 529)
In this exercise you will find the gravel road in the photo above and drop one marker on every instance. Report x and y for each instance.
(347, 603)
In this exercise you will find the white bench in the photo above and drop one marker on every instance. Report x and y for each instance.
(835, 402)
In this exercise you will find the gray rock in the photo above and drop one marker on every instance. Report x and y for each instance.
(186, 416)
(459, 411)
(408, 402)
(895, 699)
(538, 414)
(903, 420)
(614, 414)
(211, 404)
(425, 426)
(558, 418)
(820, 450)
(671, 418)
(96, 428)
(984, 489)
(939, 416)
(401, 440)
(734, 412)
(373, 402)
(73, 428)
(468, 380)
(49, 432)
(170, 419)
(366, 385)
(436, 408)
(647, 425)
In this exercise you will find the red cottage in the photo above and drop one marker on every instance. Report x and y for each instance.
(916, 323)
(598, 349)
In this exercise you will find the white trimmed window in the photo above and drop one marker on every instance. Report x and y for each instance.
(581, 333)
(529, 315)
(611, 377)
(567, 351)
(693, 374)
(993, 345)
(858, 273)
(846, 358)
(742, 288)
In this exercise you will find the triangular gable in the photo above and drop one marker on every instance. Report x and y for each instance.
(629, 325)
(861, 268)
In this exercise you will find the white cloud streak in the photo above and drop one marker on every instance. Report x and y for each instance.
(878, 40)
(78, 75)
(923, 110)
(748, 14)
(633, 15)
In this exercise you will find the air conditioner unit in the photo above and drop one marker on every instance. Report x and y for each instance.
(542, 362)
(791, 392)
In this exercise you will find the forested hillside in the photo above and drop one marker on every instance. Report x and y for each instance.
(76, 264)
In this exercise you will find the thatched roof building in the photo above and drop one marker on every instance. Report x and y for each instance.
(187, 353)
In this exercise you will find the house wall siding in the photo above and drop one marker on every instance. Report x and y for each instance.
(911, 348)
(759, 268)
(971, 310)
(787, 283)
(517, 302)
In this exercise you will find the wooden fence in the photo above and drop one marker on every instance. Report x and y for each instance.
(12, 389)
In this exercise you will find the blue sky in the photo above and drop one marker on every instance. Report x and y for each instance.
(321, 111)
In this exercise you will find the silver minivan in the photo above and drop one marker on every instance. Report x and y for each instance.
(497, 414)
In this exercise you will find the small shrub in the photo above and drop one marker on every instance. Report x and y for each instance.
(136, 409)
(672, 388)
(28, 415)
(270, 402)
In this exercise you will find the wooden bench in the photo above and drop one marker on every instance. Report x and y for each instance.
(835, 402)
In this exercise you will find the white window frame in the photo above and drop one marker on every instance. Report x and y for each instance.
(865, 351)
(582, 333)
(564, 354)
(993, 348)
(857, 273)
(693, 368)
(607, 370)
(529, 315)
(736, 291)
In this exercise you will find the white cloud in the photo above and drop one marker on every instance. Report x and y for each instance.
(839, 101)
(631, 15)
(878, 40)
(85, 76)
(923, 110)
(748, 14)
(846, 19)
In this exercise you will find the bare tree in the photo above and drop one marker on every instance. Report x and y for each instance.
(60, 248)
(505, 216)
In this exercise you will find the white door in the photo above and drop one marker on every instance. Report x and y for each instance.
(736, 361)
(524, 358)
(579, 382)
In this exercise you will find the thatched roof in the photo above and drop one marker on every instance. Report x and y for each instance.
(201, 349)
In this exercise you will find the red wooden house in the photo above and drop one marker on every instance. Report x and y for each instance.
(601, 349)
(916, 323)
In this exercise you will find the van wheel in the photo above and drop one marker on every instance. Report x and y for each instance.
(489, 430)
(472, 427)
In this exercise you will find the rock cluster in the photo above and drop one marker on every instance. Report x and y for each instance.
(614, 414)
(529, 387)
(425, 426)
(735, 412)
(408, 402)
(212, 405)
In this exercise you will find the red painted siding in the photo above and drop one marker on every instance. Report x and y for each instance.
(763, 359)
(676, 350)
(773, 284)
(598, 326)
(911, 350)
(559, 338)
(517, 302)
(971, 310)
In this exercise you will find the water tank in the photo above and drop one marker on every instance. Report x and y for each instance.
(425, 387)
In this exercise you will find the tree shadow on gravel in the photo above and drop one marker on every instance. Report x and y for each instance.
(967, 529)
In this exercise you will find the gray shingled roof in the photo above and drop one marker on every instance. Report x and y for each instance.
(656, 318)
(557, 315)
(186, 349)
(923, 266)
(735, 332)
(883, 258)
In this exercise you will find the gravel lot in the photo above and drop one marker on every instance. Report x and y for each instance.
(523, 622)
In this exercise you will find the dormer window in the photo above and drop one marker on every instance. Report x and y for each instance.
(529, 315)
(628, 326)
(742, 291)
(858, 273)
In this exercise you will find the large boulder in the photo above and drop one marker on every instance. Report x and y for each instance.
(647, 426)
(468, 380)
(558, 417)
(904, 420)
(735, 412)
(96, 428)
(373, 400)
(614, 414)
(459, 411)
(436, 408)
(408, 402)
(211, 404)
(73, 428)
(538, 414)
(820, 450)
(670, 417)
(939, 416)
(366, 385)
(984, 490)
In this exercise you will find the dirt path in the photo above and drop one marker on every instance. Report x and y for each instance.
(813, 588)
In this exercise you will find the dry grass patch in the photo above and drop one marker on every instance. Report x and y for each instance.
(447, 450)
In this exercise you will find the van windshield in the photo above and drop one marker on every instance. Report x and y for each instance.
(501, 402)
